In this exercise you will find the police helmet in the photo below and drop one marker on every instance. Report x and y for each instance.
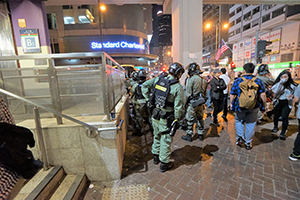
(142, 75)
(176, 69)
(194, 68)
(134, 75)
(263, 69)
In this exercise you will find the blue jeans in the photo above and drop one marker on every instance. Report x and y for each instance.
(246, 118)
(208, 102)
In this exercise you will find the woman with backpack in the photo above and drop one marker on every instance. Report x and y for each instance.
(283, 91)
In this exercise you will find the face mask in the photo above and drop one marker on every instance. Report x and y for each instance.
(283, 80)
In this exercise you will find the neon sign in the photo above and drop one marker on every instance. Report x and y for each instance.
(117, 45)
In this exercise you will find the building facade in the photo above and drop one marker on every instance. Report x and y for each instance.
(121, 29)
(214, 19)
(279, 24)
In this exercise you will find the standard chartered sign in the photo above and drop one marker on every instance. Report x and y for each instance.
(117, 45)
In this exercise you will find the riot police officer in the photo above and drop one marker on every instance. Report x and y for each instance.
(196, 86)
(139, 102)
(168, 108)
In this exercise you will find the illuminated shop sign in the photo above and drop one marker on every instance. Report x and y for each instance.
(111, 44)
(117, 45)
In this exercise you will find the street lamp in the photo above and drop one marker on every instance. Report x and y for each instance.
(102, 7)
(225, 26)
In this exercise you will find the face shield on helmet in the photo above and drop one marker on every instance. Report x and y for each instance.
(134, 75)
(142, 76)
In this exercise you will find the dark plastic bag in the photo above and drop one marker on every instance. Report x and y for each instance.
(21, 162)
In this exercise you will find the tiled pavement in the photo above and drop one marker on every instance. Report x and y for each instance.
(214, 168)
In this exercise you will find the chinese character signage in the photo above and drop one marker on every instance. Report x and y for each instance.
(275, 37)
(30, 40)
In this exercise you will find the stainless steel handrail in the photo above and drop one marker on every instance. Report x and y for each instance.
(94, 129)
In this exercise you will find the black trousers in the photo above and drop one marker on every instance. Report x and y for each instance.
(218, 107)
(282, 109)
(296, 150)
(225, 105)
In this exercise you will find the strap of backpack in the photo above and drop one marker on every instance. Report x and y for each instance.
(173, 81)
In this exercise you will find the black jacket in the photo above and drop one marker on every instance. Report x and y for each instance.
(217, 87)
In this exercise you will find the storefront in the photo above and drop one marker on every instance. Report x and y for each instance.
(276, 68)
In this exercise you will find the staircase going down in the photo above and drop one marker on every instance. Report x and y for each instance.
(54, 184)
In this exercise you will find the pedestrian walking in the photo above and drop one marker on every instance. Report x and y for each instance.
(169, 108)
(266, 77)
(208, 78)
(283, 89)
(217, 87)
(246, 97)
(195, 89)
(226, 79)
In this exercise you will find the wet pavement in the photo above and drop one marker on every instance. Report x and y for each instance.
(214, 168)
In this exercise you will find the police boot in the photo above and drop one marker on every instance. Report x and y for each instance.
(201, 137)
(156, 159)
(166, 166)
(187, 137)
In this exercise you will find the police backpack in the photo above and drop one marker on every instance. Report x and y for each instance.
(161, 91)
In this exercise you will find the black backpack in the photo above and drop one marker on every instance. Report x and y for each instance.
(162, 90)
(138, 92)
(13, 150)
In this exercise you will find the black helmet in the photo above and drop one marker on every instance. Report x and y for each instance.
(142, 76)
(176, 69)
(194, 68)
(134, 75)
(263, 69)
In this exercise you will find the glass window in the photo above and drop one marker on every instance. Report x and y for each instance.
(67, 7)
(246, 16)
(231, 14)
(237, 31)
(255, 22)
(265, 59)
(278, 12)
(83, 19)
(51, 19)
(256, 10)
(83, 7)
(69, 20)
(56, 48)
(267, 6)
(238, 20)
(231, 34)
(266, 18)
(239, 9)
(232, 24)
(245, 5)
(246, 27)
(273, 58)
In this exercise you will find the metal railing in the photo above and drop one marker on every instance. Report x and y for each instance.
(91, 131)
(60, 84)
(72, 83)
